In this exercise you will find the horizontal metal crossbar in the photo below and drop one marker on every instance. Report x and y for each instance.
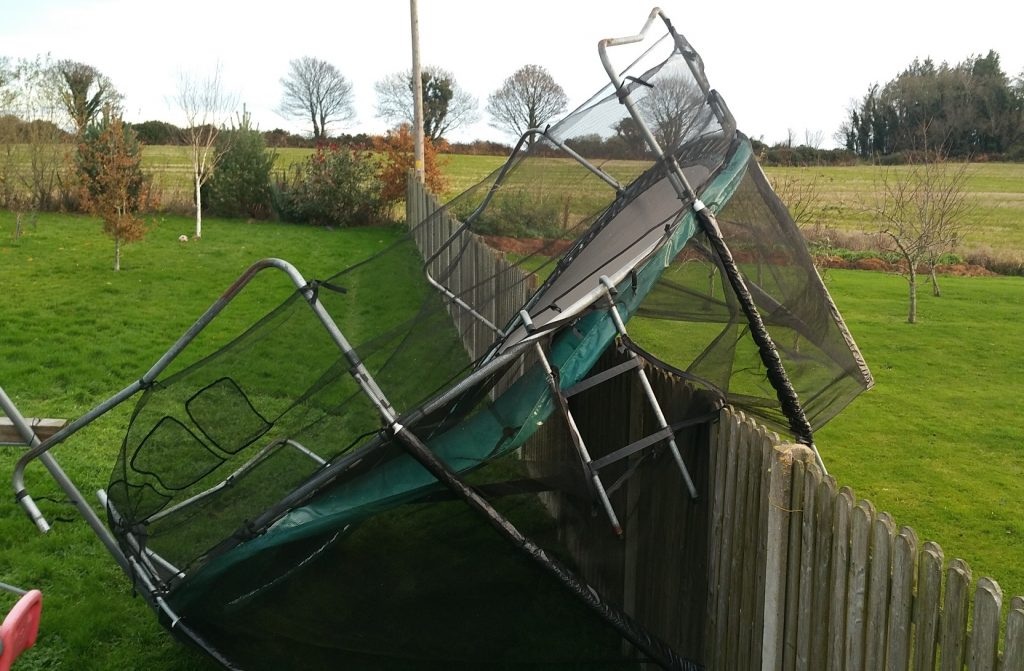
(632, 448)
(603, 376)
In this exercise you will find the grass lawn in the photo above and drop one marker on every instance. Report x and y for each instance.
(938, 441)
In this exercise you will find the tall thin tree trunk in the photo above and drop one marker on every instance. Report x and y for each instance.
(935, 283)
(199, 206)
(912, 281)
(117, 253)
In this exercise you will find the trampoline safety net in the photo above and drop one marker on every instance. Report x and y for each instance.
(280, 517)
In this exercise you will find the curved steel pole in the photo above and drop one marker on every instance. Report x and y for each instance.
(769, 354)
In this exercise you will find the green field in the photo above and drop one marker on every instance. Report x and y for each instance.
(937, 443)
(846, 193)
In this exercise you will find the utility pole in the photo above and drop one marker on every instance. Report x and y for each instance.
(417, 92)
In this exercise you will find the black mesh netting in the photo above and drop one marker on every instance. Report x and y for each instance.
(262, 491)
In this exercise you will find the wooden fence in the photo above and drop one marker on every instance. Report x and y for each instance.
(469, 268)
(775, 566)
(802, 575)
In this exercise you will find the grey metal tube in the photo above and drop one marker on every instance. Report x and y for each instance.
(39, 449)
(65, 483)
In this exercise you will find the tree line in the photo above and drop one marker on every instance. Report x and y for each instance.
(971, 109)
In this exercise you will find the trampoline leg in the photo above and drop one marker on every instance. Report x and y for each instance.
(659, 415)
(577, 441)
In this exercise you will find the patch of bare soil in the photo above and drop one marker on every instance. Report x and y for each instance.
(527, 246)
(880, 265)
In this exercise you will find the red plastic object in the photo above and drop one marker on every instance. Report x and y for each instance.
(18, 632)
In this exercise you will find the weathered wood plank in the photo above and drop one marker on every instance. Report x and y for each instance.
(1013, 646)
(926, 606)
(901, 600)
(766, 449)
(725, 553)
(952, 644)
(857, 584)
(734, 633)
(43, 428)
(777, 534)
(720, 445)
(808, 547)
(750, 641)
(879, 580)
(843, 511)
(825, 502)
(988, 602)
(792, 566)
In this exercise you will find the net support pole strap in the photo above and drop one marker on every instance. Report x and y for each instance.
(657, 650)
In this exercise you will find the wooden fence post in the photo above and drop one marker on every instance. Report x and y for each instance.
(901, 598)
(780, 503)
(926, 606)
(988, 602)
(1013, 649)
(954, 616)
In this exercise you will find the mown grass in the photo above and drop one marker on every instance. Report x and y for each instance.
(938, 441)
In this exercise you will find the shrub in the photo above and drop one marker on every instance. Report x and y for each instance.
(240, 187)
(396, 157)
(336, 186)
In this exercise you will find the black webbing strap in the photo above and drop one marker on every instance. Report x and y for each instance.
(313, 286)
(603, 376)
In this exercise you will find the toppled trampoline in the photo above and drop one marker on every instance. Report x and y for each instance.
(342, 485)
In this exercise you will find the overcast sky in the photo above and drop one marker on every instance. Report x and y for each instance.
(780, 65)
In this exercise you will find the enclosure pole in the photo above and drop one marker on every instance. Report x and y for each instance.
(417, 92)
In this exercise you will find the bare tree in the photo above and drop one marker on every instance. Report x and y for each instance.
(813, 138)
(446, 105)
(527, 99)
(920, 208)
(676, 109)
(84, 91)
(206, 107)
(316, 90)
(32, 144)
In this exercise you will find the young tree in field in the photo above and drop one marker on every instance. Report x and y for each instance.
(205, 106)
(113, 185)
(446, 105)
(83, 92)
(527, 99)
(316, 90)
(921, 209)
